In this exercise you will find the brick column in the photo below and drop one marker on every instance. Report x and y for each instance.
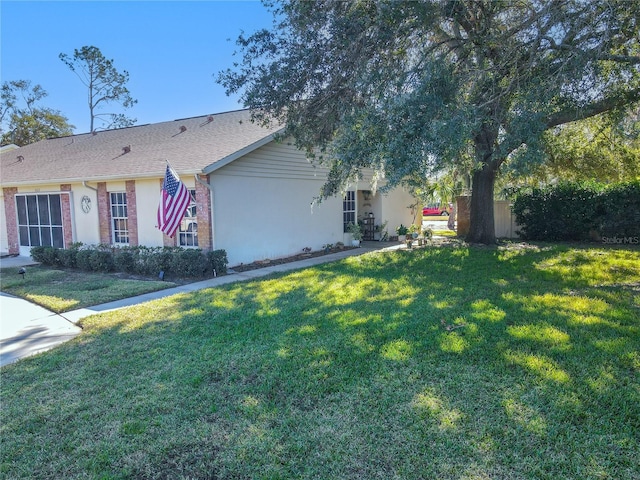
(10, 216)
(463, 205)
(104, 214)
(67, 229)
(203, 212)
(132, 212)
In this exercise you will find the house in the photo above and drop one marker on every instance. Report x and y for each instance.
(251, 194)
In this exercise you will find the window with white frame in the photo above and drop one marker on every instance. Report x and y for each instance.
(188, 230)
(119, 218)
(349, 209)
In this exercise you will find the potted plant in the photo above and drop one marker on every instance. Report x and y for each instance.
(381, 233)
(427, 234)
(356, 233)
(413, 230)
(402, 232)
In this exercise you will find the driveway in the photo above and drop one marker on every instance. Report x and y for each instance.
(27, 329)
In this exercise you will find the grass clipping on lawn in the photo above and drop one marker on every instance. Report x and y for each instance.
(463, 362)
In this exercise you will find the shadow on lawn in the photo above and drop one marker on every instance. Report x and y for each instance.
(421, 364)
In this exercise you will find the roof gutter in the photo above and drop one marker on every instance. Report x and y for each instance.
(114, 178)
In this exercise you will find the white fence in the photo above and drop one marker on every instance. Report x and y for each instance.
(503, 217)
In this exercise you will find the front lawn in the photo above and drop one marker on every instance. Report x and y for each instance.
(64, 290)
(435, 363)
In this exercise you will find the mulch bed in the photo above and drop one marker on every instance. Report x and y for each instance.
(243, 267)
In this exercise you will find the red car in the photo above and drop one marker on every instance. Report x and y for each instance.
(437, 210)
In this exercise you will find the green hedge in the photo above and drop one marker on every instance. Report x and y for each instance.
(150, 261)
(580, 211)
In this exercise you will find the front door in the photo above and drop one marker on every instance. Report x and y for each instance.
(39, 221)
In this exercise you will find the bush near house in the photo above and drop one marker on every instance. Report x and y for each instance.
(580, 211)
(176, 261)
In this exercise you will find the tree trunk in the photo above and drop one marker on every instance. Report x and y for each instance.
(481, 224)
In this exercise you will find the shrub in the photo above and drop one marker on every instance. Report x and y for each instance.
(101, 261)
(67, 256)
(217, 262)
(83, 259)
(620, 211)
(158, 259)
(44, 255)
(177, 261)
(124, 260)
(188, 263)
(579, 211)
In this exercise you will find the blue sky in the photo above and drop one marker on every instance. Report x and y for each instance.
(172, 50)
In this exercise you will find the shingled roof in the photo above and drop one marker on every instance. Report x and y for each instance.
(190, 145)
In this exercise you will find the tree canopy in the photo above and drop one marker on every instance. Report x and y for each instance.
(104, 85)
(410, 87)
(601, 147)
(23, 120)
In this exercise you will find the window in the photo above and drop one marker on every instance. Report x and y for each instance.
(188, 230)
(119, 217)
(40, 220)
(349, 209)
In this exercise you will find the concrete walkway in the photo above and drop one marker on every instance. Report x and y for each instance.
(27, 329)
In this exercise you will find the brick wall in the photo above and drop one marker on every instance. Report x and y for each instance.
(12, 221)
(463, 205)
(203, 212)
(132, 212)
(65, 201)
(104, 214)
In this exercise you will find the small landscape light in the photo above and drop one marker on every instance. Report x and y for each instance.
(22, 271)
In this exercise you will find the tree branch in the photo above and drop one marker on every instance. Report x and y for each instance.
(595, 108)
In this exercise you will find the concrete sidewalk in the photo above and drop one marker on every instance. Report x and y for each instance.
(27, 329)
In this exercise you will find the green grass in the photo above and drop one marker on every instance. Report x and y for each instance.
(445, 233)
(65, 290)
(443, 363)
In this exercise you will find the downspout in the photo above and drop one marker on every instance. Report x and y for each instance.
(212, 218)
(84, 184)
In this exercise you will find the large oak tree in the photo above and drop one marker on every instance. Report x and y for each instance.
(410, 87)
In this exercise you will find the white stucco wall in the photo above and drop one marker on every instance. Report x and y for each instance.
(147, 200)
(85, 225)
(396, 209)
(274, 220)
(263, 206)
(393, 207)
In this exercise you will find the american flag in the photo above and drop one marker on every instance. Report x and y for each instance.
(174, 201)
